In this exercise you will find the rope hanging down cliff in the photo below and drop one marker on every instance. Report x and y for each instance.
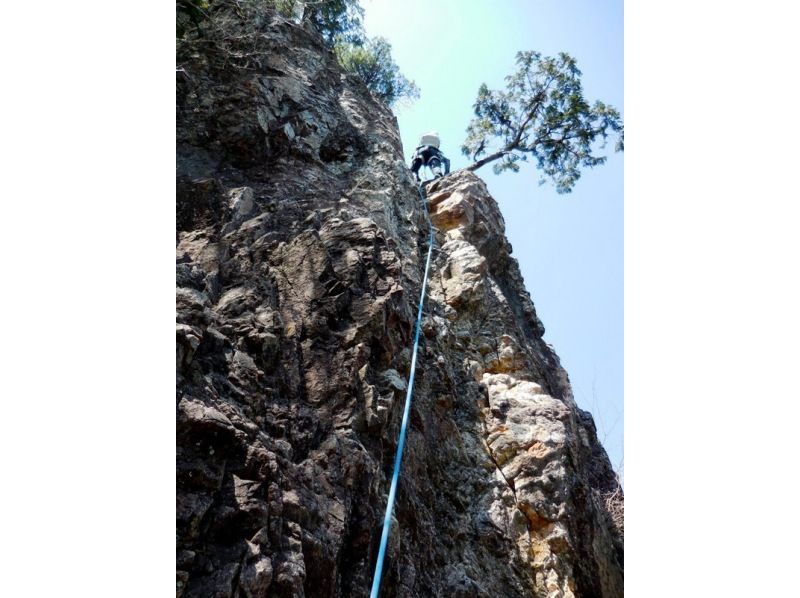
(387, 520)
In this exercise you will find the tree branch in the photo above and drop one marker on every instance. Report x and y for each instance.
(490, 158)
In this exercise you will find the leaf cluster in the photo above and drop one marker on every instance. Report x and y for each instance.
(189, 13)
(335, 19)
(372, 62)
(542, 116)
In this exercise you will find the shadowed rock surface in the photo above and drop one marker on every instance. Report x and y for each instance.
(300, 246)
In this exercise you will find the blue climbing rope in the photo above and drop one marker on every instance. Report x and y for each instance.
(387, 520)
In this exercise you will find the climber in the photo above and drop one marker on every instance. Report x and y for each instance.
(428, 154)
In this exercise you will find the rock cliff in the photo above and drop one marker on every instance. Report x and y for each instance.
(300, 246)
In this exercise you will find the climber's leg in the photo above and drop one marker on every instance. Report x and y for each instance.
(446, 165)
(436, 167)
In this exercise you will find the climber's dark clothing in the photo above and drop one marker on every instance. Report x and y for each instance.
(430, 156)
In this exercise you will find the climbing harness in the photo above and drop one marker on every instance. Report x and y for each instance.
(387, 520)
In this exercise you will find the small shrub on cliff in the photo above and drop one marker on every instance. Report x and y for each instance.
(372, 62)
(336, 19)
(614, 503)
(189, 13)
(339, 23)
(541, 115)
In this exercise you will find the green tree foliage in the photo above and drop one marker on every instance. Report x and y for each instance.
(336, 19)
(189, 13)
(372, 62)
(542, 115)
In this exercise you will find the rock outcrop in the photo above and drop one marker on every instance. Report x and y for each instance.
(300, 247)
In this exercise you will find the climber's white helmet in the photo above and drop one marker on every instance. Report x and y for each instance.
(431, 138)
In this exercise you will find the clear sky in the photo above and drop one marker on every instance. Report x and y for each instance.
(570, 247)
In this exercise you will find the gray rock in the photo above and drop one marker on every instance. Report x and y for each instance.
(241, 202)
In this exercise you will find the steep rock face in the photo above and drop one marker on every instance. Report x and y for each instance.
(542, 450)
(300, 247)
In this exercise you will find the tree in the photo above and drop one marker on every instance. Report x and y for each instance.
(336, 19)
(542, 115)
(372, 63)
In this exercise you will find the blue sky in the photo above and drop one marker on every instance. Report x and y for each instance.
(570, 247)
